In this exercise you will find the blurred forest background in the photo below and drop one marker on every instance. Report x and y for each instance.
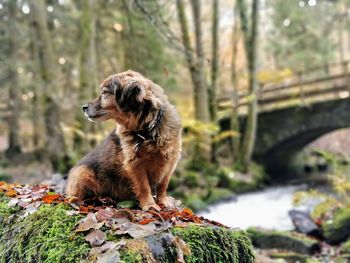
(54, 53)
(224, 64)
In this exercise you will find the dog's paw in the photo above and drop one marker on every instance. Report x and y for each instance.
(151, 207)
(167, 201)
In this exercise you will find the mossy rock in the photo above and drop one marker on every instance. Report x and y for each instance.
(337, 229)
(345, 247)
(295, 242)
(291, 257)
(48, 235)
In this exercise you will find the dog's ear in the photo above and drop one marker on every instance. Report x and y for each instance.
(131, 97)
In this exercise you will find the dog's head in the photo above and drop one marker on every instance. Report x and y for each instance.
(123, 96)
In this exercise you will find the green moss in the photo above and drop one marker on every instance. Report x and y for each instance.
(214, 244)
(291, 241)
(44, 236)
(48, 235)
(129, 256)
(291, 257)
(345, 247)
(337, 229)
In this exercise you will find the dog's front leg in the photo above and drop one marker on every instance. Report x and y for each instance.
(142, 189)
(162, 187)
(162, 197)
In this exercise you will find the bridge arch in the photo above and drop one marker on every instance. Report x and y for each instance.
(283, 133)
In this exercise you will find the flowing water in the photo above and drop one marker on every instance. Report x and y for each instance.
(267, 208)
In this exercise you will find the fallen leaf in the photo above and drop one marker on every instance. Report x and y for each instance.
(136, 230)
(104, 214)
(96, 238)
(111, 256)
(74, 206)
(11, 193)
(72, 213)
(89, 222)
(13, 202)
(48, 199)
(146, 221)
(114, 223)
(84, 209)
(182, 249)
(31, 208)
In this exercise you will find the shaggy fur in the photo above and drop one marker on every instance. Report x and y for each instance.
(138, 158)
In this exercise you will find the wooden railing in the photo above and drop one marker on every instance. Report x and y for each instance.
(328, 82)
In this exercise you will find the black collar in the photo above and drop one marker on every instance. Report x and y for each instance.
(149, 132)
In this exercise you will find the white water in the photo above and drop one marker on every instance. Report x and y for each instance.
(267, 208)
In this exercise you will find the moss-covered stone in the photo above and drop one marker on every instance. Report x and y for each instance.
(345, 247)
(48, 235)
(291, 241)
(337, 229)
(44, 236)
(215, 244)
(291, 257)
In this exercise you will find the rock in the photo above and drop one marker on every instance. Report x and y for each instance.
(337, 229)
(303, 223)
(47, 235)
(345, 247)
(58, 182)
(290, 257)
(292, 241)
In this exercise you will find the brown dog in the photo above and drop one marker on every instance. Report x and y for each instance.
(138, 158)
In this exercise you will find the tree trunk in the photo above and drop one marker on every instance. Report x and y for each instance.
(200, 88)
(14, 105)
(196, 68)
(251, 121)
(39, 137)
(88, 73)
(234, 116)
(49, 74)
(214, 60)
(214, 71)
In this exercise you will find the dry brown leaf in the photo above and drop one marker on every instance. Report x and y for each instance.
(96, 238)
(182, 249)
(104, 214)
(89, 222)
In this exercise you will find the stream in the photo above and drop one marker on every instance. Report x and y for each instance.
(267, 208)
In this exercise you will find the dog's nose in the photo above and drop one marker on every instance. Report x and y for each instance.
(85, 107)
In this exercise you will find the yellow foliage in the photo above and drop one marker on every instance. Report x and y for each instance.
(224, 135)
(267, 76)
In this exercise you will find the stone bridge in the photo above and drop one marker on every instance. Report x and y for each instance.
(283, 131)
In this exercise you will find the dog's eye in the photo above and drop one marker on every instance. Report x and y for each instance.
(104, 92)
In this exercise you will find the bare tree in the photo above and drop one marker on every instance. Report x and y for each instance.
(195, 62)
(48, 71)
(234, 81)
(14, 103)
(250, 38)
(214, 60)
(88, 70)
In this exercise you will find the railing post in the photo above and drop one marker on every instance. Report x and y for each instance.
(301, 88)
(346, 74)
(326, 69)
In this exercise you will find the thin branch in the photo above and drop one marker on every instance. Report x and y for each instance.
(160, 25)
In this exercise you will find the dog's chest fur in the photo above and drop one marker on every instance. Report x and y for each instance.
(151, 155)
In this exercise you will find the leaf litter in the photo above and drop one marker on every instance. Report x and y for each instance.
(104, 214)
